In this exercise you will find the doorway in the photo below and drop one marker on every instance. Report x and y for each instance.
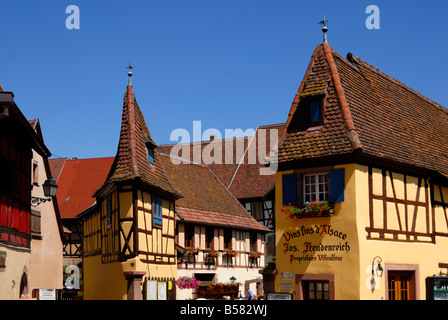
(401, 282)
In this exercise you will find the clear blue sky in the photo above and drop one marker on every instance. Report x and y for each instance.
(228, 63)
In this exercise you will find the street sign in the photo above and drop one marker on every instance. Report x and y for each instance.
(279, 296)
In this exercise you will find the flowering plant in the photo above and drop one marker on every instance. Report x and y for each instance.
(212, 254)
(192, 251)
(186, 282)
(254, 255)
(314, 207)
(210, 286)
(230, 253)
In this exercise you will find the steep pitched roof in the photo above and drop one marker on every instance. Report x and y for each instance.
(131, 161)
(239, 171)
(206, 200)
(77, 181)
(367, 113)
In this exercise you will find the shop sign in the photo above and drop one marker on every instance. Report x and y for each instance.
(306, 244)
(3, 259)
(279, 296)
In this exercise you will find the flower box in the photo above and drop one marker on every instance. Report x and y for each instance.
(313, 209)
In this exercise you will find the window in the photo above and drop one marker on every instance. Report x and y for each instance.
(315, 187)
(316, 290)
(257, 210)
(314, 109)
(308, 185)
(109, 210)
(189, 235)
(35, 173)
(157, 210)
(227, 238)
(209, 235)
(150, 154)
(253, 241)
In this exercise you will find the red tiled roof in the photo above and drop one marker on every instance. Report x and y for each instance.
(242, 175)
(367, 111)
(131, 161)
(56, 167)
(206, 200)
(78, 181)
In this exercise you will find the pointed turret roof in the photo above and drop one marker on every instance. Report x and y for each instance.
(131, 164)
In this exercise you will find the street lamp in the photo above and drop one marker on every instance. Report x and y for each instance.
(50, 188)
(379, 269)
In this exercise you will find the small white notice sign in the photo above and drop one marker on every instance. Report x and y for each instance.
(162, 290)
(286, 276)
(151, 290)
(47, 294)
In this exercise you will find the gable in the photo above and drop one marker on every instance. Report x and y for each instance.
(367, 115)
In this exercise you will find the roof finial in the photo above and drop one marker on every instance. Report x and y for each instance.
(324, 28)
(129, 73)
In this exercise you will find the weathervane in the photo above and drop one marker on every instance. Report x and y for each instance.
(129, 72)
(324, 28)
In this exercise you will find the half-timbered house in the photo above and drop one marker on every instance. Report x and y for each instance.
(129, 234)
(77, 179)
(224, 244)
(375, 151)
(17, 142)
(236, 162)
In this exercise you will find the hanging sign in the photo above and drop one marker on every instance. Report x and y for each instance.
(315, 243)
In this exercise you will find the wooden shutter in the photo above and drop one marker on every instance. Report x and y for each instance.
(157, 210)
(289, 189)
(337, 185)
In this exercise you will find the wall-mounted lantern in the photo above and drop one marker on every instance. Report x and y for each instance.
(50, 188)
(379, 269)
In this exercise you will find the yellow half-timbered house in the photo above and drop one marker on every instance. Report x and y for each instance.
(375, 151)
(129, 247)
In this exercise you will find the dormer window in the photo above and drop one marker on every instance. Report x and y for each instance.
(314, 110)
(310, 113)
(150, 146)
(150, 153)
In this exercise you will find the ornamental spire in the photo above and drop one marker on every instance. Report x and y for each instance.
(324, 28)
(129, 73)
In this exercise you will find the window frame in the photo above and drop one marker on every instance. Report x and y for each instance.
(301, 281)
(320, 99)
(293, 185)
(317, 184)
(209, 237)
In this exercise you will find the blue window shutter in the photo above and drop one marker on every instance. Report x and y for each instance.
(337, 185)
(157, 209)
(289, 189)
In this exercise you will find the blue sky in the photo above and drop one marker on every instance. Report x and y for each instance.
(230, 64)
